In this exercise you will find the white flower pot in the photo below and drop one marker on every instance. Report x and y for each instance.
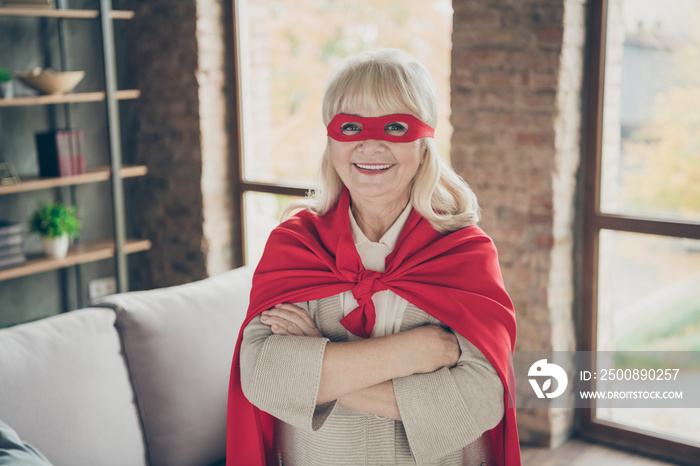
(56, 248)
(6, 89)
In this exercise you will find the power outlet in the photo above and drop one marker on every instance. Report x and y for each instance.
(101, 287)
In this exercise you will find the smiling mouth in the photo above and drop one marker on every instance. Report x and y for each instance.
(374, 167)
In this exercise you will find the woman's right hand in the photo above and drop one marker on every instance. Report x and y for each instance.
(349, 366)
(288, 319)
(430, 347)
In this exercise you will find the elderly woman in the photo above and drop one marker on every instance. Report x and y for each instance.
(379, 328)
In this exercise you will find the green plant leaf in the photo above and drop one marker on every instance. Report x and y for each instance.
(53, 220)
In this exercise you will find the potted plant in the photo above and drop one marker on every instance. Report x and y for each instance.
(6, 83)
(57, 223)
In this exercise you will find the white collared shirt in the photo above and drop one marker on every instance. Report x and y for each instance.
(389, 307)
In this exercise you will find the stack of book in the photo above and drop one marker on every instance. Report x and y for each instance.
(61, 152)
(11, 244)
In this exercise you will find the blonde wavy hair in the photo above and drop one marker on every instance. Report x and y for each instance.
(393, 81)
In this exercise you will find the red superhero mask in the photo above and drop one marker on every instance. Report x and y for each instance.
(400, 127)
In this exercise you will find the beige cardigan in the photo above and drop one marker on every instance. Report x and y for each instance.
(444, 412)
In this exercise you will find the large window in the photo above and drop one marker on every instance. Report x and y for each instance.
(286, 48)
(642, 216)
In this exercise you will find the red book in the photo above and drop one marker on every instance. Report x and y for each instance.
(80, 137)
(64, 152)
(74, 151)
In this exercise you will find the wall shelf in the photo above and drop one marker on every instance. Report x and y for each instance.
(60, 13)
(82, 253)
(92, 175)
(128, 94)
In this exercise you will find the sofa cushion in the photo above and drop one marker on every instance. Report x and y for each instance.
(65, 389)
(179, 344)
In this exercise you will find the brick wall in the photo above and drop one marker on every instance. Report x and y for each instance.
(176, 53)
(215, 145)
(516, 81)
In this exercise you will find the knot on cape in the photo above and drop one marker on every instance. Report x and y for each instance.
(361, 320)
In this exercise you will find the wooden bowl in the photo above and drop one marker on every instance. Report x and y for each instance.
(52, 82)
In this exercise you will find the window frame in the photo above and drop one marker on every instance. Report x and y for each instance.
(593, 222)
(241, 186)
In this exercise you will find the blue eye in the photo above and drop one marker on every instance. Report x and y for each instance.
(396, 129)
(351, 129)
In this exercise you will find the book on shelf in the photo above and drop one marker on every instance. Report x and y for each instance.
(13, 250)
(11, 240)
(77, 151)
(11, 244)
(10, 228)
(12, 260)
(61, 152)
(53, 151)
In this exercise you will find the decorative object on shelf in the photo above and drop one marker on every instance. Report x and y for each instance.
(57, 223)
(8, 175)
(11, 244)
(48, 81)
(27, 3)
(61, 152)
(6, 89)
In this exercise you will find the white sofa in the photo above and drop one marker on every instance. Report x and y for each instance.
(139, 379)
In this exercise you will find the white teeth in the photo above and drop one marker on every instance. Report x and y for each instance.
(372, 167)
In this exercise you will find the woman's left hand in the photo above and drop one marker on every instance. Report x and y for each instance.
(288, 319)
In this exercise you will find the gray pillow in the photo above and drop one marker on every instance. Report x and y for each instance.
(64, 388)
(179, 344)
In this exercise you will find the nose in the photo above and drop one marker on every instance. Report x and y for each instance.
(370, 146)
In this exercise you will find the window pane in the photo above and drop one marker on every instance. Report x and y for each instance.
(262, 214)
(288, 49)
(649, 300)
(651, 114)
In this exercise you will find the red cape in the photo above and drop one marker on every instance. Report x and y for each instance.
(453, 277)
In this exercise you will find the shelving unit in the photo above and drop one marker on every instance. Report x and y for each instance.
(117, 246)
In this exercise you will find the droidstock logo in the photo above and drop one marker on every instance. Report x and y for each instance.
(542, 368)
